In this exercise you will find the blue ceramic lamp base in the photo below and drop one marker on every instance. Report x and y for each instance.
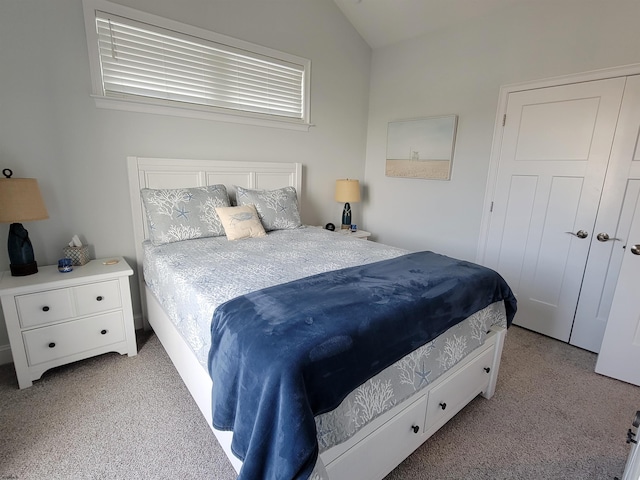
(21, 258)
(346, 216)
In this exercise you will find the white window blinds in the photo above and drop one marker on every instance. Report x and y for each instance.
(142, 60)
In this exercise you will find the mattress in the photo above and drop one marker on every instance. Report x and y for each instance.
(191, 278)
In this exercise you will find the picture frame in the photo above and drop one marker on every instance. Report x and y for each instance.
(421, 148)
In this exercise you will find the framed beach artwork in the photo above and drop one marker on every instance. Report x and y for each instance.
(421, 148)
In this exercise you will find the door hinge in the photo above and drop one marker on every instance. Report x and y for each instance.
(504, 119)
(491, 207)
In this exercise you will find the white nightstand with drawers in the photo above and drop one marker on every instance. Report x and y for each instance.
(57, 318)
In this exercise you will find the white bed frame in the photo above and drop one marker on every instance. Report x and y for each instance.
(380, 446)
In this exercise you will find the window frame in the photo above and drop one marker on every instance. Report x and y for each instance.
(182, 109)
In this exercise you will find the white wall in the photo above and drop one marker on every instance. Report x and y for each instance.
(459, 71)
(50, 128)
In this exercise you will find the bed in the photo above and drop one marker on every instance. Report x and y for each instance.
(407, 401)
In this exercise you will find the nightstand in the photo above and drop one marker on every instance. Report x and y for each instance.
(363, 234)
(57, 318)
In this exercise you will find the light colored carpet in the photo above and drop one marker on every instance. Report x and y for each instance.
(114, 417)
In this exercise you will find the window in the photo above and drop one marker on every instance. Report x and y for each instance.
(146, 63)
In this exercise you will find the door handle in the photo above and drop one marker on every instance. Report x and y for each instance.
(636, 249)
(579, 234)
(604, 237)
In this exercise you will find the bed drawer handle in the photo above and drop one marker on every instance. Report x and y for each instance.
(104, 332)
(443, 405)
(487, 369)
(52, 344)
(99, 298)
(45, 309)
(415, 428)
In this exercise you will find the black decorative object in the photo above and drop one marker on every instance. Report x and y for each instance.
(20, 201)
(347, 191)
(346, 216)
(20, 251)
(330, 226)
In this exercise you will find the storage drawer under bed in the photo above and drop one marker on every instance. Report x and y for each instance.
(451, 395)
(391, 442)
(394, 441)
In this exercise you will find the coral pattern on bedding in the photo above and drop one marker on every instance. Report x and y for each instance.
(284, 354)
(174, 215)
(190, 279)
(406, 377)
(277, 209)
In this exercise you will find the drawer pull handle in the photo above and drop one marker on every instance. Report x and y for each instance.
(103, 332)
(487, 369)
(45, 309)
(443, 405)
(415, 428)
(52, 344)
(99, 298)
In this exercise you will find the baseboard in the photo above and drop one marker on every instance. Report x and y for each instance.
(138, 321)
(5, 354)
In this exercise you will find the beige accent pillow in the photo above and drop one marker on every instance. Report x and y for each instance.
(240, 222)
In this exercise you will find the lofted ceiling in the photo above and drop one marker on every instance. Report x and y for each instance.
(384, 22)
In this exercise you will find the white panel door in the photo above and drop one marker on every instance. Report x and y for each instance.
(620, 352)
(553, 162)
(611, 228)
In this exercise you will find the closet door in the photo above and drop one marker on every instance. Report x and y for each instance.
(612, 226)
(553, 161)
(620, 352)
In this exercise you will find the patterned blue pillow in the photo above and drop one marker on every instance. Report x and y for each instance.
(277, 209)
(180, 214)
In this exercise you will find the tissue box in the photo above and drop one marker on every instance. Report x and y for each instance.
(78, 255)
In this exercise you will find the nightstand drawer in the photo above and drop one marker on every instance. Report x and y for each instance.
(64, 339)
(97, 297)
(44, 307)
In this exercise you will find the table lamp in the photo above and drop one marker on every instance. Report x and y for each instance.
(347, 191)
(20, 201)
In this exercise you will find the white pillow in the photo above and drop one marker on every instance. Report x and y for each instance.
(240, 222)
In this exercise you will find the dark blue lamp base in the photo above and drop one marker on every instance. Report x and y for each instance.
(22, 261)
(346, 216)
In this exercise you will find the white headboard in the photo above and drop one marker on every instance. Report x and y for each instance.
(182, 173)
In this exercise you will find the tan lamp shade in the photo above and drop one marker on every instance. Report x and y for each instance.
(21, 201)
(347, 190)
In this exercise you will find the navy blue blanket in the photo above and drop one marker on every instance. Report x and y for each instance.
(282, 355)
